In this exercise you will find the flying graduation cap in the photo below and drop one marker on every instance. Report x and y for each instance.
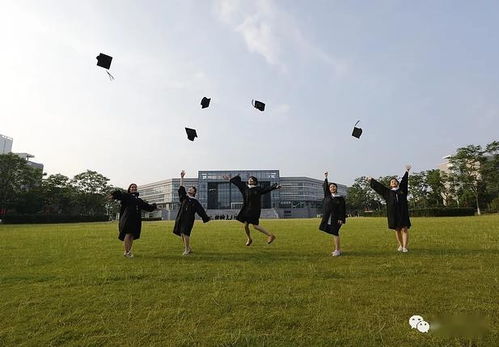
(104, 61)
(205, 102)
(258, 105)
(356, 131)
(191, 133)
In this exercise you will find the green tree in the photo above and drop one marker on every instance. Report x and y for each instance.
(490, 172)
(360, 196)
(418, 189)
(465, 166)
(59, 195)
(16, 177)
(92, 190)
(436, 187)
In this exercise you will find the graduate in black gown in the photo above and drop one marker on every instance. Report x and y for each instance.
(334, 213)
(397, 209)
(252, 205)
(130, 216)
(189, 206)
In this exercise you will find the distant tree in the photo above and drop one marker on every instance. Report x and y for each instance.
(59, 195)
(471, 169)
(16, 177)
(90, 182)
(436, 187)
(418, 190)
(92, 190)
(360, 196)
(489, 171)
(451, 187)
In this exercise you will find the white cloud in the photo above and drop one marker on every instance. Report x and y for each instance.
(259, 39)
(272, 33)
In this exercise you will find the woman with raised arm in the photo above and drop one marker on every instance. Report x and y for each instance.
(397, 209)
(252, 205)
(334, 213)
(189, 206)
(130, 223)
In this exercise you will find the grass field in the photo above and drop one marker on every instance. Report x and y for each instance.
(69, 284)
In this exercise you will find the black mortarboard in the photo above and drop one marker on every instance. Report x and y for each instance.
(258, 105)
(356, 131)
(191, 133)
(104, 61)
(205, 102)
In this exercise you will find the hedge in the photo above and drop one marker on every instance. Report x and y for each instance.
(428, 212)
(442, 212)
(36, 218)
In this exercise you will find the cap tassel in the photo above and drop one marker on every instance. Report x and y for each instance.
(110, 76)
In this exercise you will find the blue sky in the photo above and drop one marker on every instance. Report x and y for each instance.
(421, 76)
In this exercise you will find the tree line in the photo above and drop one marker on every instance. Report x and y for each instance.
(25, 190)
(470, 180)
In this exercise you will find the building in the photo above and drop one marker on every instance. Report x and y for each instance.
(27, 157)
(299, 197)
(6, 147)
(5, 144)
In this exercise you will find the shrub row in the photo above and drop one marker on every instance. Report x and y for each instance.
(35, 218)
(428, 212)
(443, 212)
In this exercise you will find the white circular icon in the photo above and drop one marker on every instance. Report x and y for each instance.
(423, 327)
(414, 320)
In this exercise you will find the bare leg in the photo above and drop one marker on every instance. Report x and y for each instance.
(405, 237)
(398, 235)
(187, 247)
(128, 242)
(248, 235)
(271, 237)
(336, 242)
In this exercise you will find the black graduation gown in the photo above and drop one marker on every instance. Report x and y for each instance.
(186, 215)
(334, 209)
(130, 213)
(397, 209)
(252, 201)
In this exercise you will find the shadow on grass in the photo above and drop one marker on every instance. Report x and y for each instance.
(454, 251)
(267, 256)
(272, 256)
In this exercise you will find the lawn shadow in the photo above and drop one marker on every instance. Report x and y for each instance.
(454, 251)
(260, 257)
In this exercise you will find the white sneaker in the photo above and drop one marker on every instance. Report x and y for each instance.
(336, 253)
(128, 254)
(400, 249)
(186, 253)
(405, 250)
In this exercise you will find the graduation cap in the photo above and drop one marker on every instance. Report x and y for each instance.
(191, 133)
(104, 61)
(205, 102)
(356, 131)
(258, 105)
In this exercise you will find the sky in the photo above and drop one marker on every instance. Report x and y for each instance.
(421, 76)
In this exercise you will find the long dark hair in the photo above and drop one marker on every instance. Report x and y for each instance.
(396, 180)
(254, 178)
(130, 186)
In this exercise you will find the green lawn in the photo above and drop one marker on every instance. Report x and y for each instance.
(69, 284)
